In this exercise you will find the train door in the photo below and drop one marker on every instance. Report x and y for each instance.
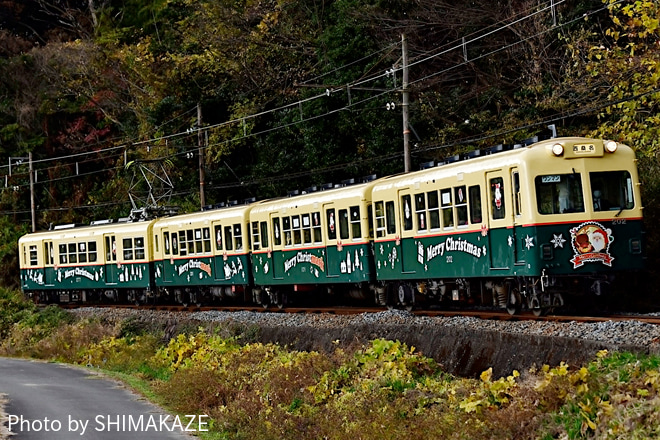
(49, 263)
(218, 255)
(275, 223)
(408, 248)
(500, 233)
(516, 195)
(110, 248)
(168, 255)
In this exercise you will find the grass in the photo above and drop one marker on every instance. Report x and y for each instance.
(382, 390)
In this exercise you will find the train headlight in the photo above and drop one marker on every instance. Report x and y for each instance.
(557, 149)
(611, 146)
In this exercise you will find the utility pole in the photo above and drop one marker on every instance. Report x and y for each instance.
(404, 106)
(32, 207)
(200, 150)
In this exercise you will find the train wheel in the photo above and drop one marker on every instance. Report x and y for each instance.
(535, 306)
(514, 302)
(406, 296)
(557, 302)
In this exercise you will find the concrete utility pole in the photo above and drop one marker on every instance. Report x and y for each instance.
(404, 106)
(32, 207)
(200, 145)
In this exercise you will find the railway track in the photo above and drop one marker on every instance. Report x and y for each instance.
(480, 314)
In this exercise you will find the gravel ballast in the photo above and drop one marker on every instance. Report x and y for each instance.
(462, 345)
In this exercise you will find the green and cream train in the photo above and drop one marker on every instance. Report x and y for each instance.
(511, 227)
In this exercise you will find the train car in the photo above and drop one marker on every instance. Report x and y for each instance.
(204, 256)
(519, 227)
(104, 261)
(315, 243)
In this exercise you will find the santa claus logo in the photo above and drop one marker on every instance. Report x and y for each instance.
(591, 242)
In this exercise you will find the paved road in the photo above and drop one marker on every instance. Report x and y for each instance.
(52, 402)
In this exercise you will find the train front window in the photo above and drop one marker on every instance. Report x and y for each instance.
(611, 190)
(559, 193)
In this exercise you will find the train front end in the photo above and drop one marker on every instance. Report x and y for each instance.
(588, 213)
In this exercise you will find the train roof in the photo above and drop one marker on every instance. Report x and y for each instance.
(73, 231)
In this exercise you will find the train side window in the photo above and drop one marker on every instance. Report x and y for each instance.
(559, 193)
(73, 256)
(33, 254)
(183, 248)
(497, 198)
(199, 245)
(343, 224)
(82, 252)
(380, 219)
(91, 249)
(264, 234)
(238, 237)
(63, 255)
(295, 229)
(190, 240)
(306, 229)
(316, 227)
(332, 226)
(407, 213)
(277, 237)
(228, 238)
(390, 217)
(175, 244)
(127, 244)
(356, 226)
(447, 208)
(207, 239)
(139, 248)
(286, 228)
(218, 237)
(256, 242)
(460, 199)
(420, 211)
(515, 181)
(434, 209)
(475, 204)
(166, 242)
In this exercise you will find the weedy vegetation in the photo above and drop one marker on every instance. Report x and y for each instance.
(383, 390)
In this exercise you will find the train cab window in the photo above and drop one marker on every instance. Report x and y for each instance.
(380, 219)
(218, 237)
(356, 226)
(343, 224)
(460, 198)
(91, 251)
(497, 198)
(390, 217)
(139, 248)
(256, 241)
(420, 211)
(156, 245)
(73, 255)
(128, 249)
(63, 254)
(474, 195)
(277, 237)
(611, 190)
(407, 212)
(82, 252)
(517, 200)
(332, 226)
(207, 240)
(166, 243)
(447, 208)
(306, 229)
(433, 204)
(559, 193)
(32, 250)
(316, 227)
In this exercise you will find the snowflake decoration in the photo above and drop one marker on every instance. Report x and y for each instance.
(529, 242)
(510, 240)
(558, 241)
